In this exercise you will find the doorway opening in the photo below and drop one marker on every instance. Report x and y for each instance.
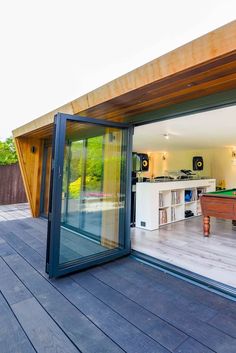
(185, 157)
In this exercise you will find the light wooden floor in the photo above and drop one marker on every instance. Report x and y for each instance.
(183, 244)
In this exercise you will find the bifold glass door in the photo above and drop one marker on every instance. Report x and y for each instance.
(89, 206)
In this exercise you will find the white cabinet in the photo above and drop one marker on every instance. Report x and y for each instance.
(166, 202)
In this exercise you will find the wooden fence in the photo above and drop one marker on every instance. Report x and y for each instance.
(11, 185)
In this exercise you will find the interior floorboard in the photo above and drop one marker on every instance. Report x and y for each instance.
(182, 244)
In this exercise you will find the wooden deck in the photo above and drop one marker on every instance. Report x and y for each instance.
(124, 306)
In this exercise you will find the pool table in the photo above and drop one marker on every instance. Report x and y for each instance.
(219, 204)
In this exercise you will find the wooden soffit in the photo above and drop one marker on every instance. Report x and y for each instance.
(205, 66)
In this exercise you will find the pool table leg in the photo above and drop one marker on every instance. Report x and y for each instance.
(206, 226)
(234, 224)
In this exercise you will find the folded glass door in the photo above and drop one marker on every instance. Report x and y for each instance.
(89, 205)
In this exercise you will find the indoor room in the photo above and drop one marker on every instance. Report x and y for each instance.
(175, 162)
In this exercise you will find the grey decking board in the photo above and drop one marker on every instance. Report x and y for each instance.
(42, 331)
(192, 346)
(153, 326)
(12, 338)
(198, 334)
(129, 336)
(38, 262)
(20, 245)
(5, 249)
(199, 310)
(26, 235)
(225, 323)
(66, 287)
(138, 272)
(76, 325)
(25, 251)
(197, 329)
(112, 324)
(11, 287)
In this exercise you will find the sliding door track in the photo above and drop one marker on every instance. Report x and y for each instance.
(191, 277)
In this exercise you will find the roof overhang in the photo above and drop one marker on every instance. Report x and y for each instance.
(205, 66)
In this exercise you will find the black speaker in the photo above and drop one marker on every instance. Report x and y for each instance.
(144, 162)
(197, 163)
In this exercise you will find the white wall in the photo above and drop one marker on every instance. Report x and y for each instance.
(176, 160)
(223, 168)
(217, 164)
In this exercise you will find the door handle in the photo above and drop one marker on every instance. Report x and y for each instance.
(59, 172)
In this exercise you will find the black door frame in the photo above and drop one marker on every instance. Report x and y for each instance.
(53, 268)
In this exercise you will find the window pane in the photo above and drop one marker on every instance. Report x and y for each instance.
(93, 197)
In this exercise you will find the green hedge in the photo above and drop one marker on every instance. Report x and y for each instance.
(8, 152)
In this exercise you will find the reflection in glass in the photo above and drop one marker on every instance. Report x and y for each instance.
(93, 202)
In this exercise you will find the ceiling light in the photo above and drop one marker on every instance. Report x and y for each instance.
(167, 136)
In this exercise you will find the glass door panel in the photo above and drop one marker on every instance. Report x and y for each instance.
(89, 223)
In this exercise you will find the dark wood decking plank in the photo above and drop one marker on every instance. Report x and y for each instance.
(12, 337)
(152, 290)
(26, 250)
(153, 326)
(5, 249)
(170, 312)
(168, 285)
(43, 332)
(26, 235)
(137, 272)
(11, 287)
(35, 260)
(225, 323)
(87, 337)
(192, 346)
(128, 336)
(66, 315)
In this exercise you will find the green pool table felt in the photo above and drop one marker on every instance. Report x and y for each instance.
(223, 193)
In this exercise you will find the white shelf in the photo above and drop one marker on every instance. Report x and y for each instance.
(149, 195)
(164, 224)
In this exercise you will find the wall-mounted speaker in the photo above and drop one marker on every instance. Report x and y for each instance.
(144, 162)
(197, 163)
(140, 162)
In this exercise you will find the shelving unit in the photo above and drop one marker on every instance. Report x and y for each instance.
(158, 204)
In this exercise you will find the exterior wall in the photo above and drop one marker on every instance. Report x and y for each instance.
(30, 154)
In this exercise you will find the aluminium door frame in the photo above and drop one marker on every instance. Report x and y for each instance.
(53, 268)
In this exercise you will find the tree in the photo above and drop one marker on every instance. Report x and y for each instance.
(8, 152)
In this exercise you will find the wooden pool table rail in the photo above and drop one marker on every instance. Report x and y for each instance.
(217, 206)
